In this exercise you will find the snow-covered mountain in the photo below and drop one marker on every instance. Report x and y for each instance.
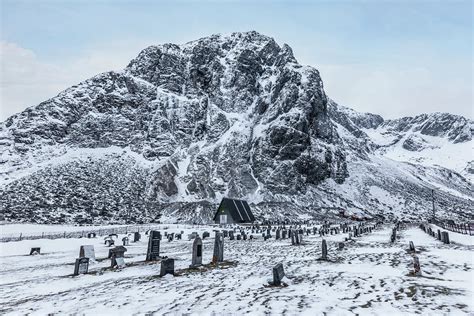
(184, 125)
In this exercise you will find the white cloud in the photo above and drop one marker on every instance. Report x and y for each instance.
(25, 80)
(398, 91)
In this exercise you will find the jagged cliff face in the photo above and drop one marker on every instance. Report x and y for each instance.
(220, 116)
(184, 125)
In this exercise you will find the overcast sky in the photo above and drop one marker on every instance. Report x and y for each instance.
(394, 58)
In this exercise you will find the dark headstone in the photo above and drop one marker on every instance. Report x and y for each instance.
(117, 252)
(81, 266)
(35, 251)
(125, 241)
(445, 237)
(439, 234)
(153, 251)
(416, 266)
(167, 267)
(341, 246)
(218, 255)
(205, 235)
(412, 246)
(91, 235)
(324, 250)
(278, 274)
(136, 236)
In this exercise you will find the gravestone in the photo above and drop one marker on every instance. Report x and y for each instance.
(394, 235)
(153, 251)
(120, 262)
(277, 234)
(341, 246)
(412, 246)
(416, 266)
(244, 236)
(81, 266)
(205, 235)
(251, 237)
(196, 260)
(91, 235)
(283, 234)
(109, 242)
(35, 251)
(87, 251)
(231, 235)
(170, 238)
(167, 267)
(136, 237)
(445, 237)
(239, 237)
(117, 252)
(226, 233)
(439, 234)
(278, 274)
(178, 236)
(218, 255)
(125, 241)
(324, 250)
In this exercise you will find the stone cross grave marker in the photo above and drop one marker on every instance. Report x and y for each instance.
(167, 267)
(81, 266)
(196, 260)
(218, 255)
(153, 251)
(87, 251)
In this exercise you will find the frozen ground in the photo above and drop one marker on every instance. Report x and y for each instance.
(370, 276)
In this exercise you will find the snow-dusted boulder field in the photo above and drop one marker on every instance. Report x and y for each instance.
(184, 125)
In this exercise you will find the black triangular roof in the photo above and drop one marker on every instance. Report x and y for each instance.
(238, 209)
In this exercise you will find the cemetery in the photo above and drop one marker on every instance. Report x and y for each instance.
(308, 268)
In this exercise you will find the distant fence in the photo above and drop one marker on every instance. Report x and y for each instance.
(465, 228)
(97, 231)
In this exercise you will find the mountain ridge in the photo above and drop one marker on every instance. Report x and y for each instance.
(185, 125)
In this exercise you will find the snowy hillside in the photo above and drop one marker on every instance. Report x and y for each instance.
(184, 125)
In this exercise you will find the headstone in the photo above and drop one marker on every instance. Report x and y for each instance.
(120, 262)
(91, 235)
(196, 260)
(278, 274)
(324, 250)
(416, 266)
(109, 242)
(412, 246)
(439, 234)
(125, 241)
(170, 238)
(218, 255)
(283, 234)
(341, 246)
(205, 235)
(81, 266)
(87, 251)
(136, 237)
(117, 252)
(277, 234)
(239, 237)
(178, 236)
(35, 251)
(226, 233)
(153, 251)
(394, 235)
(445, 237)
(231, 235)
(167, 267)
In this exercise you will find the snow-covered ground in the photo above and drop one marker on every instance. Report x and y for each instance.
(370, 276)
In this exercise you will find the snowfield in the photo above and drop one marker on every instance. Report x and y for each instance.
(369, 276)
